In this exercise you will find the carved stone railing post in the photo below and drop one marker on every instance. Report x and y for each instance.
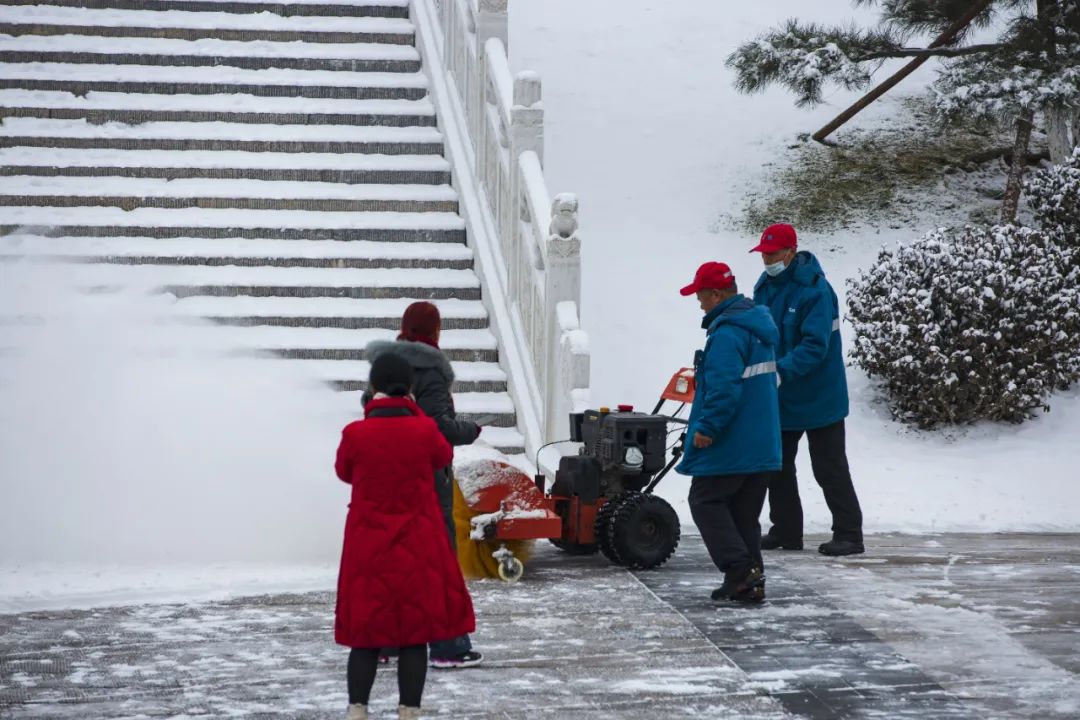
(562, 289)
(526, 135)
(527, 116)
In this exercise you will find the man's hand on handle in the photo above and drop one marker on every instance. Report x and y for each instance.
(702, 441)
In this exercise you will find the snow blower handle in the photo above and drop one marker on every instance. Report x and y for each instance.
(679, 389)
(676, 454)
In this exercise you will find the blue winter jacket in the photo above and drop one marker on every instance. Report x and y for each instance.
(735, 403)
(813, 389)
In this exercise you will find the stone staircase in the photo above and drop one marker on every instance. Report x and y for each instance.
(276, 165)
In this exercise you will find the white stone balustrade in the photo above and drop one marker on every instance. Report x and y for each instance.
(535, 250)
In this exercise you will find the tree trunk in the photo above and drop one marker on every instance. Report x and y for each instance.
(1062, 133)
(892, 81)
(1011, 204)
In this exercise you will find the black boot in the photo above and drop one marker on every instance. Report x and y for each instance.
(771, 542)
(837, 547)
(751, 596)
(739, 581)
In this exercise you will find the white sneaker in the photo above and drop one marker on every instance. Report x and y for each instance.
(408, 713)
(357, 712)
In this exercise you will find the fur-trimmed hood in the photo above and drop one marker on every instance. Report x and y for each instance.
(420, 355)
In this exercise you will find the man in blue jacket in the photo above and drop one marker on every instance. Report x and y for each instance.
(734, 431)
(813, 393)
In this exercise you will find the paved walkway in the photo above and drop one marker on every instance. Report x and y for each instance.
(942, 627)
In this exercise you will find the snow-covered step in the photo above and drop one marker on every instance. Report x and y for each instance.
(328, 344)
(225, 281)
(496, 409)
(276, 253)
(44, 132)
(345, 313)
(186, 25)
(321, 8)
(225, 164)
(508, 440)
(348, 375)
(500, 428)
(81, 79)
(130, 193)
(253, 55)
(300, 343)
(238, 108)
(263, 224)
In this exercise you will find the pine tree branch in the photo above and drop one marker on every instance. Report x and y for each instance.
(946, 38)
(932, 52)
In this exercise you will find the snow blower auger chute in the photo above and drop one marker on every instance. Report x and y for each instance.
(600, 500)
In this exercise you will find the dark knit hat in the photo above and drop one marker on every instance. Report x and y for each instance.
(391, 375)
(421, 323)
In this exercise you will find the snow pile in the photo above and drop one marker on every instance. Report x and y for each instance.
(479, 467)
(129, 436)
(970, 324)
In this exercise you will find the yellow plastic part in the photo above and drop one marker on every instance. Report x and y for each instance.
(474, 556)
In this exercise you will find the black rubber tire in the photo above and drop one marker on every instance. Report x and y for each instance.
(603, 525)
(644, 531)
(574, 548)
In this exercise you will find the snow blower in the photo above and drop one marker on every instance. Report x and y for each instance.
(601, 500)
(488, 488)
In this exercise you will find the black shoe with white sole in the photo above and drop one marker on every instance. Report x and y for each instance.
(454, 662)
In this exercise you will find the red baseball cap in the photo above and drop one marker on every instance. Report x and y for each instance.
(777, 237)
(710, 276)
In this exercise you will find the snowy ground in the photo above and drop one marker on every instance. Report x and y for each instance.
(925, 628)
(643, 123)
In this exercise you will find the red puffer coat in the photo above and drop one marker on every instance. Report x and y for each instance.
(399, 582)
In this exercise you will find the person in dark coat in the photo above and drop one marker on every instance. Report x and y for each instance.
(733, 435)
(399, 584)
(813, 393)
(418, 343)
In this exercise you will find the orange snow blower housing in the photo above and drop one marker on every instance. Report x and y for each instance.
(601, 500)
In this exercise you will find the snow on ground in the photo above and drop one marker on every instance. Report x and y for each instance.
(51, 585)
(644, 124)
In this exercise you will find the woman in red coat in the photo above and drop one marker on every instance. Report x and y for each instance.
(399, 583)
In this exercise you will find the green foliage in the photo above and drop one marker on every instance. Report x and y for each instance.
(1034, 62)
(804, 57)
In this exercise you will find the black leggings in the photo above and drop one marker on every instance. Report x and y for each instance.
(411, 674)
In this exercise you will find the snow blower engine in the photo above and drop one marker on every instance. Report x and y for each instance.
(601, 500)
(605, 494)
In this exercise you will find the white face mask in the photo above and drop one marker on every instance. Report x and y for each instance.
(775, 269)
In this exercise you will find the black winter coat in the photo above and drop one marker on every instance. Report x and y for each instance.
(434, 379)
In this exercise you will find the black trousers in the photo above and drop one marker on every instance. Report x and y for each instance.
(828, 457)
(726, 509)
(412, 673)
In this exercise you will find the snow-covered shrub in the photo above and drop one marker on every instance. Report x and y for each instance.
(970, 324)
(1054, 195)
